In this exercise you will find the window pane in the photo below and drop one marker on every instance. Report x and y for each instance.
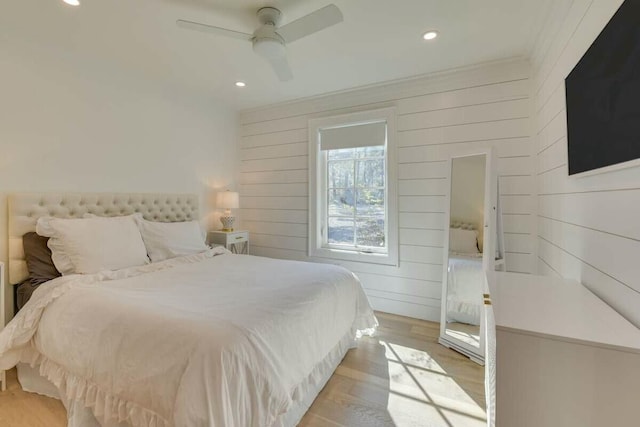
(370, 202)
(370, 173)
(341, 202)
(375, 151)
(370, 232)
(340, 231)
(344, 153)
(340, 174)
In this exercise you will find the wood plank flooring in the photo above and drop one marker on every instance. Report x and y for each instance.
(22, 409)
(400, 377)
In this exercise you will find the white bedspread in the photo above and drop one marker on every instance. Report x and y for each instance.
(464, 292)
(206, 340)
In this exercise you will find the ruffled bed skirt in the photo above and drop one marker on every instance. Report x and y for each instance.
(86, 403)
(463, 311)
(104, 406)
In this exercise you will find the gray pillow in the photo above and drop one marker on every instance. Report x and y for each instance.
(23, 293)
(38, 257)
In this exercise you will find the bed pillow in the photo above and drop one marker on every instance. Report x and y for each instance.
(90, 245)
(38, 257)
(463, 241)
(23, 292)
(166, 240)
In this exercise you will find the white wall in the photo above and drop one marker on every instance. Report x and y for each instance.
(67, 124)
(588, 227)
(479, 107)
(467, 192)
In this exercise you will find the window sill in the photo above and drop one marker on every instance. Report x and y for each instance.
(347, 255)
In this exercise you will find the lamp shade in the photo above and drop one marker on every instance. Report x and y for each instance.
(228, 200)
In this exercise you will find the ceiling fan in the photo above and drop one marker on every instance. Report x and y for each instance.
(269, 40)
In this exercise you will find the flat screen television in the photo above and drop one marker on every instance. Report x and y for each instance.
(603, 96)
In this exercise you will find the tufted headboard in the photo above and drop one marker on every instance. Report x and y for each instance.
(468, 225)
(462, 224)
(25, 209)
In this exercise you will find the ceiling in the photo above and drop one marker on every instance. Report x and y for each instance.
(379, 40)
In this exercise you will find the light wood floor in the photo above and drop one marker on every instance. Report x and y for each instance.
(401, 377)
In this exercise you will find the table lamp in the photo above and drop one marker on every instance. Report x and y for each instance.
(227, 200)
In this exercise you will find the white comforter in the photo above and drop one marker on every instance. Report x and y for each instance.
(206, 340)
(464, 291)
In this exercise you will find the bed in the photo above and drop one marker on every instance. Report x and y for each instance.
(465, 275)
(208, 339)
(464, 300)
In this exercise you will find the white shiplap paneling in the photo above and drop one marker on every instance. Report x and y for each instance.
(487, 106)
(587, 226)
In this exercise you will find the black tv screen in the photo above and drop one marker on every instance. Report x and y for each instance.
(603, 96)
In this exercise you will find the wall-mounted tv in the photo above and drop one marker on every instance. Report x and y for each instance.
(603, 96)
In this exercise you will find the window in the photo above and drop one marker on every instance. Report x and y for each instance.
(352, 187)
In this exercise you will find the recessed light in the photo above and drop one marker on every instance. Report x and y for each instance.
(241, 84)
(72, 2)
(430, 35)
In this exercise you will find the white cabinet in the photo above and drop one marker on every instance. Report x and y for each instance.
(3, 374)
(562, 356)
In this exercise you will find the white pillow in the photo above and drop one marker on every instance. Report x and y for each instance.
(166, 240)
(90, 245)
(463, 241)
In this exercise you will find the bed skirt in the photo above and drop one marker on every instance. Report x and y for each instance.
(80, 416)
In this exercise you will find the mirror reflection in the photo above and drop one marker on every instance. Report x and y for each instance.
(465, 278)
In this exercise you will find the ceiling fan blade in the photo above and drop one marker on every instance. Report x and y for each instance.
(281, 67)
(189, 25)
(313, 22)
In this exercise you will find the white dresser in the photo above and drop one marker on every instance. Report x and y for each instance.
(561, 357)
(3, 375)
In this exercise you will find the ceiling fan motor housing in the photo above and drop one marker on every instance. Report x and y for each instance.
(269, 15)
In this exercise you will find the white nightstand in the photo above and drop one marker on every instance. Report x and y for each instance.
(3, 374)
(236, 241)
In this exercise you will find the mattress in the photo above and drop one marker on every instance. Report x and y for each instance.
(206, 340)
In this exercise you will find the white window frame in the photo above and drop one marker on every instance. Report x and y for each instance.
(318, 184)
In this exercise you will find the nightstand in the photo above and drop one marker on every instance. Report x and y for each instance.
(236, 241)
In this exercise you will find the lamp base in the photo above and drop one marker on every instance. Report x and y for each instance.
(227, 222)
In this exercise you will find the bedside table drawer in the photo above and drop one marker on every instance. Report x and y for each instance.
(237, 237)
(235, 241)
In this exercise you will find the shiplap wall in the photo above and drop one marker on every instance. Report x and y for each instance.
(587, 226)
(484, 106)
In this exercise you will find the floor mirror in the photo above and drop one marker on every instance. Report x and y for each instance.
(472, 249)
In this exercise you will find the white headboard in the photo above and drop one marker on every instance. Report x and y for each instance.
(25, 209)
(462, 224)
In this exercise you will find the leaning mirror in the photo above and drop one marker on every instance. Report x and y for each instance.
(469, 251)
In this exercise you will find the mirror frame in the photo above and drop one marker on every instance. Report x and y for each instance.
(489, 247)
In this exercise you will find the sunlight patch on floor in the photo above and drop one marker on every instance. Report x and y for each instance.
(411, 356)
(421, 389)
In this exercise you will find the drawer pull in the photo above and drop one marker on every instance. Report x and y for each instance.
(239, 237)
(487, 302)
(486, 296)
